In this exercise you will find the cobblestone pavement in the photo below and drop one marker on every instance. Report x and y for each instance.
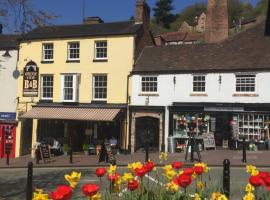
(211, 157)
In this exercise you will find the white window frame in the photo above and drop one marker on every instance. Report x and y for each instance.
(42, 86)
(93, 84)
(149, 86)
(69, 49)
(75, 87)
(244, 83)
(44, 52)
(101, 58)
(199, 75)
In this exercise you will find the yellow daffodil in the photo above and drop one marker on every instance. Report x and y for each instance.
(200, 185)
(112, 169)
(218, 196)
(254, 172)
(172, 187)
(250, 168)
(180, 172)
(197, 196)
(194, 175)
(133, 166)
(127, 177)
(249, 188)
(204, 166)
(249, 196)
(40, 195)
(97, 196)
(73, 179)
(222, 197)
(163, 156)
(168, 168)
(170, 174)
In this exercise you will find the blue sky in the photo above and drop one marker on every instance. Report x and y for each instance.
(70, 11)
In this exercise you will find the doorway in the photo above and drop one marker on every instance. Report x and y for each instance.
(147, 129)
(222, 128)
(26, 137)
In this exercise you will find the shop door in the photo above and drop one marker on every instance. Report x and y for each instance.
(222, 128)
(147, 128)
(26, 137)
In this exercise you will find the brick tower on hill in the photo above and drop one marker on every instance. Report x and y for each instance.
(217, 27)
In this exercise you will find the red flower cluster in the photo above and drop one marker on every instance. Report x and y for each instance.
(189, 171)
(101, 171)
(183, 180)
(90, 189)
(198, 170)
(62, 192)
(149, 166)
(113, 177)
(146, 168)
(262, 179)
(177, 165)
(133, 185)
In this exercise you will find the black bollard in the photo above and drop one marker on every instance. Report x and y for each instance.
(226, 177)
(244, 160)
(70, 155)
(29, 188)
(192, 150)
(7, 162)
(8, 148)
(147, 151)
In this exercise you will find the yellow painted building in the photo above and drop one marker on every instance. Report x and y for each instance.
(74, 83)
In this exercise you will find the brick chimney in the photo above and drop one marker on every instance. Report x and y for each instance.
(267, 24)
(1, 28)
(217, 27)
(142, 14)
(92, 20)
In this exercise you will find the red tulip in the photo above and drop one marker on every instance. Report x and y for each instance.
(133, 185)
(176, 181)
(140, 171)
(189, 171)
(90, 189)
(149, 166)
(184, 180)
(267, 181)
(113, 177)
(101, 171)
(256, 181)
(198, 170)
(177, 165)
(62, 192)
(263, 174)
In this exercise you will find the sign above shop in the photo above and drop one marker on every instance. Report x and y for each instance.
(30, 80)
(224, 109)
(7, 116)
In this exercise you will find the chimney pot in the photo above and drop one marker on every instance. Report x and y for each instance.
(92, 20)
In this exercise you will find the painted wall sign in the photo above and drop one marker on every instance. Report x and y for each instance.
(7, 115)
(30, 80)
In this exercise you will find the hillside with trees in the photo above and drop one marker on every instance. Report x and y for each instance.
(237, 10)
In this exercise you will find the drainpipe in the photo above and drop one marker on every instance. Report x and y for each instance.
(127, 114)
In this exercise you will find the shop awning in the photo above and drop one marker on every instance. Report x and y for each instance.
(67, 113)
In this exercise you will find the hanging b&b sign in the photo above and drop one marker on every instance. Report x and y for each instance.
(30, 80)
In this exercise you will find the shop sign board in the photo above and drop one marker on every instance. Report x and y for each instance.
(45, 152)
(7, 115)
(209, 141)
(30, 80)
(223, 109)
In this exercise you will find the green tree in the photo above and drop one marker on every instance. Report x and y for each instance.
(261, 7)
(162, 13)
(189, 13)
(21, 16)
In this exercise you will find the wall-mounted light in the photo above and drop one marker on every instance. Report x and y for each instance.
(6, 54)
(174, 82)
(147, 101)
(219, 79)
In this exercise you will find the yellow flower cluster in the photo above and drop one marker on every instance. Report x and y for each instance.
(169, 172)
(203, 165)
(172, 187)
(127, 177)
(163, 157)
(112, 169)
(197, 196)
(97, 196)
(252, 170)
(133, 166)
(249, 189)
(249, 196)
(73, 179)
(40, 195)
(218, 196)
(200, 185)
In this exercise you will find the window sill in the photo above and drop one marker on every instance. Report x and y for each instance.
(73, 61)
(245, 95)
(99, 101)
(45, 101)
(70, 103)
(198, 95)
(100, 60)
(149, 94)
(46, 61)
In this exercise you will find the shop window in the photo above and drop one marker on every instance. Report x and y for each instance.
(245, 83)
(73, 51)
(47, 87)
(252, 126)
(101, 50)
(70, 88)
(100, 87)
(47, 52)
(190, 122)
(198, 83)
(149, 84)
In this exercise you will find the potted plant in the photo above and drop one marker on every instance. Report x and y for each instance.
(86, 149)
(66, 149)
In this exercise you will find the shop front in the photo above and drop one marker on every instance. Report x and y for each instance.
(227, 123)
(77, 126)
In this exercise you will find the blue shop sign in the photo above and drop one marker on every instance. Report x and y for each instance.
(7, 115)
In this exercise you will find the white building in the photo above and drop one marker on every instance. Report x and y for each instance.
(220, 88)
(8, 88)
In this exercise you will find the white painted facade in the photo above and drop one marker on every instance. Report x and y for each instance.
(8, 84)
(220, 88)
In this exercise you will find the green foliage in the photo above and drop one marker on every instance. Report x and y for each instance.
(66, 147)
(86, 147)
(261, 7)
(189, 13)
(162, 13)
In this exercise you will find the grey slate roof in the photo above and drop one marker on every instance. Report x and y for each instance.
(248, 50)
(83, 30)
(9, 42)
